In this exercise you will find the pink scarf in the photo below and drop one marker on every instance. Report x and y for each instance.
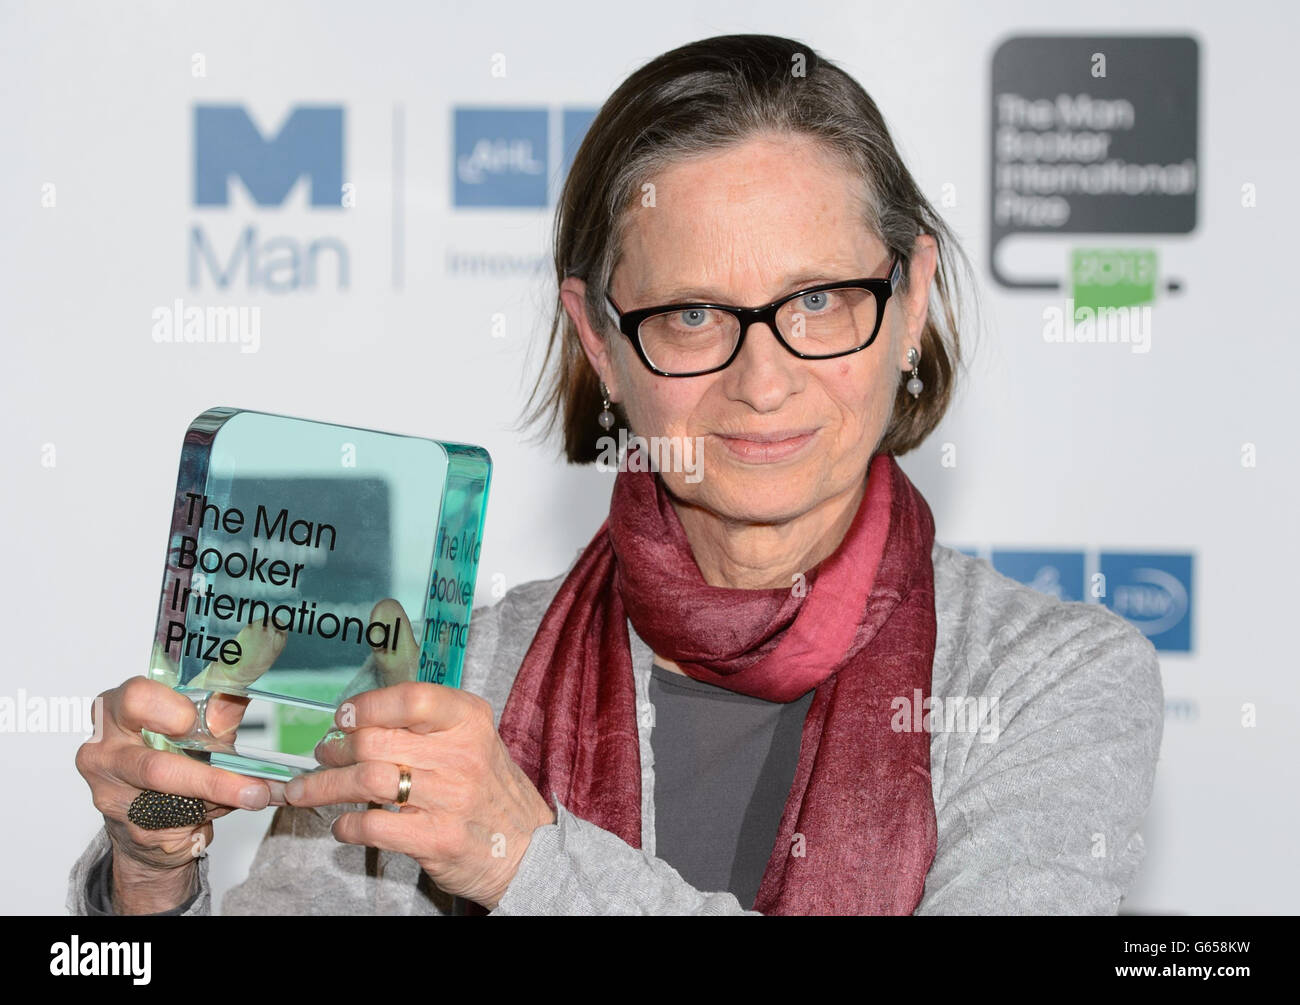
(858, 832)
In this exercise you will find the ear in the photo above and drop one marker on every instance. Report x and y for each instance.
(573, 295)
(916, 301)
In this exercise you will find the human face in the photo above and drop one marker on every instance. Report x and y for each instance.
(780, 435)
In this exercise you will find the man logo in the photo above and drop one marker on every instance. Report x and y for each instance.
(238, 255)
(227, 143)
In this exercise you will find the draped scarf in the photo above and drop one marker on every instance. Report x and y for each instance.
(858, 831)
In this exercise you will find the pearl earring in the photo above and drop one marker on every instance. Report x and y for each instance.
(914, 385)
(606, 417)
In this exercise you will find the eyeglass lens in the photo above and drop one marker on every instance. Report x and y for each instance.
(824, 323)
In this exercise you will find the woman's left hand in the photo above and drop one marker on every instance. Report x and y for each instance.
(471, 810)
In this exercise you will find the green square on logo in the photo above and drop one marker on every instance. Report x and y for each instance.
(1106, 277)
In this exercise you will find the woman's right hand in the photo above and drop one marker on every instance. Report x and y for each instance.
(153, 870)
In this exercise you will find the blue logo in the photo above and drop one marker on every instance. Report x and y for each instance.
(1154, 592)
(576, 123)
(1056, 573)
(502, 157)
(227, 143)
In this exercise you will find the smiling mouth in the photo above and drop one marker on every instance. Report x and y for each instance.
(767, 448)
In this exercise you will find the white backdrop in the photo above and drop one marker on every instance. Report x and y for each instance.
(1074, 447)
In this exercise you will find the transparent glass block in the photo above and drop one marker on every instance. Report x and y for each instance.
(286, 535)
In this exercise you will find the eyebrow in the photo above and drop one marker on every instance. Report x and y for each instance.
(708, 294)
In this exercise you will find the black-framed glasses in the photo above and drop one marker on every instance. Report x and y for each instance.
(820, 322)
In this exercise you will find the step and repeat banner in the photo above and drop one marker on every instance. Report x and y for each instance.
(342, 213)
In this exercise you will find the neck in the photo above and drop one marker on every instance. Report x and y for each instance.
(758, 556)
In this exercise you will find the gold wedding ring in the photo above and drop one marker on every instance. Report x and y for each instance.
(403, 784)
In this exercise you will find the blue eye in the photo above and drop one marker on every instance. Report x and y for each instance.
(699, 317)
(815, 302)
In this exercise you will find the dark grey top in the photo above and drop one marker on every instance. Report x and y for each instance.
(724, 763)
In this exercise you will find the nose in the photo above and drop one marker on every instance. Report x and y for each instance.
(764, 374)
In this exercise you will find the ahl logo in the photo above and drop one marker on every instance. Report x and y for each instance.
(502, 156)
(228, 145)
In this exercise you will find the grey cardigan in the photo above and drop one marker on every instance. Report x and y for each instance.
(1042, 820)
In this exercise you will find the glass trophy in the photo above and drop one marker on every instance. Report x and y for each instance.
(308, 562)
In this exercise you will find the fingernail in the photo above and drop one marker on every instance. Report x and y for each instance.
(254, 797)
(277, 793)
(294, 789)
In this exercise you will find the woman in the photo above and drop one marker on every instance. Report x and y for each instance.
(731, 702)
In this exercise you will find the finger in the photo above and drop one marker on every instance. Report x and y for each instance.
(225, 713)
(366, 782)
(416, 705)
(141, 703)
(399, 658)
(217, 810)
(212, 811)
(166, 839)
(260, 646)
(172, 839)
(396, 832)
(373, 743)
(181, 775)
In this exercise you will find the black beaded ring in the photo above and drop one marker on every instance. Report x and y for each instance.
(155, 811)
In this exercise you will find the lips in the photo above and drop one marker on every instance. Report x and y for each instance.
(767, 447)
